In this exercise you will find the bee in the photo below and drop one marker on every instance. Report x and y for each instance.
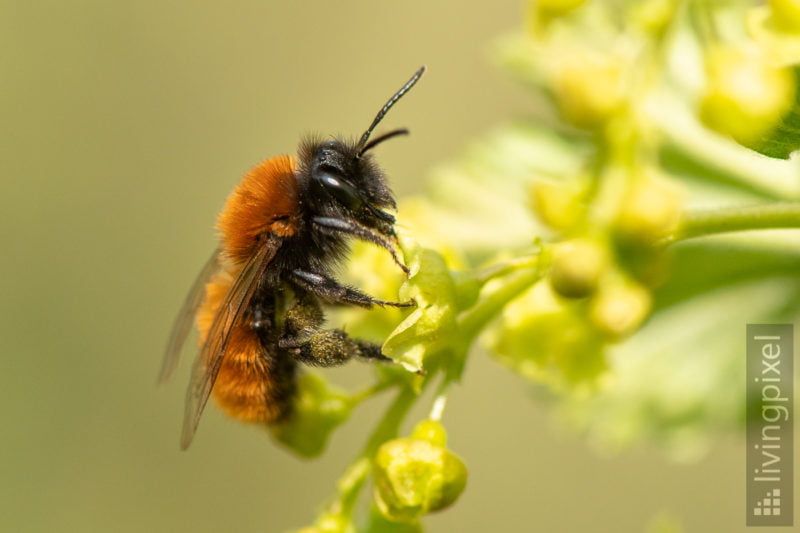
(257, 303)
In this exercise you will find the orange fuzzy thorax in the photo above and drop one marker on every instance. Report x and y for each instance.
(265, 200)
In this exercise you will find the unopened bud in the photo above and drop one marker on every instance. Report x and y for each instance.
(746, 95)
(650, 209)
(589, 86)
(556, 205)
(577, 267)
(619, 308)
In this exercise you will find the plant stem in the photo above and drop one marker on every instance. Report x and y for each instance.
(351, 483)
(710, 222)
(390, 423)
(369, 392)
(473, 321)
(507, 267)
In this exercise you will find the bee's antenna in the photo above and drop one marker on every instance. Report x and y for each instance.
(362, 145)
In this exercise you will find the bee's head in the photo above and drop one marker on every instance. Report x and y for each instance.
(344, 180)
(344, 185)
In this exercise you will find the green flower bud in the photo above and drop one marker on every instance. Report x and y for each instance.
(746, 95)
(556, 205)
(619, 308)
(650, 209)
(786, 15)
(415, 476)
(577, 267)
(318, 410)
(589, 86)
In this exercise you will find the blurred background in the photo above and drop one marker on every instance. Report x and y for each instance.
(125, 126)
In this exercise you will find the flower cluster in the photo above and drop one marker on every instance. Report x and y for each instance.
(558, 242)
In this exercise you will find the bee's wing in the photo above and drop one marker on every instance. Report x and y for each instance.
(185, 318)
(208, 363)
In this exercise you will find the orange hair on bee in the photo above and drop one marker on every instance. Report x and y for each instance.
(245, 387)
(250, 386)
(265, 200)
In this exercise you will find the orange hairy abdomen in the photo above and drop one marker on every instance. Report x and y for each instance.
(266, 200)
(250, 386)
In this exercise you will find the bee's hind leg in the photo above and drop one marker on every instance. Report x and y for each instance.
(303, 339)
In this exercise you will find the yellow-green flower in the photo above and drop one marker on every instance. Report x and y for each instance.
(432, 287)
(415, 475)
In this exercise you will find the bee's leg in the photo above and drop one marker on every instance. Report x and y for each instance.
(331, 347)
(303, 339)
(333, 291)
(350, 227)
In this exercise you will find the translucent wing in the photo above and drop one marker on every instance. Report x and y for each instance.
(230, 312)
(184, 320)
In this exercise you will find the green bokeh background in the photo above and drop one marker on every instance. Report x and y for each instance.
(125, 125)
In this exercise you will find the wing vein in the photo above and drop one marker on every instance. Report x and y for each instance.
(212, 355)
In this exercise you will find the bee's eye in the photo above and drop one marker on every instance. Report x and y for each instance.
(345, 193)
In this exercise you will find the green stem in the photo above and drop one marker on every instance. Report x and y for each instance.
(390, 423)
(369, 392)
(351, 483)
(507, 267)
(474, 320)
(729, 219)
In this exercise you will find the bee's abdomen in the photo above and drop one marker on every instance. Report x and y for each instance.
(253, 384)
